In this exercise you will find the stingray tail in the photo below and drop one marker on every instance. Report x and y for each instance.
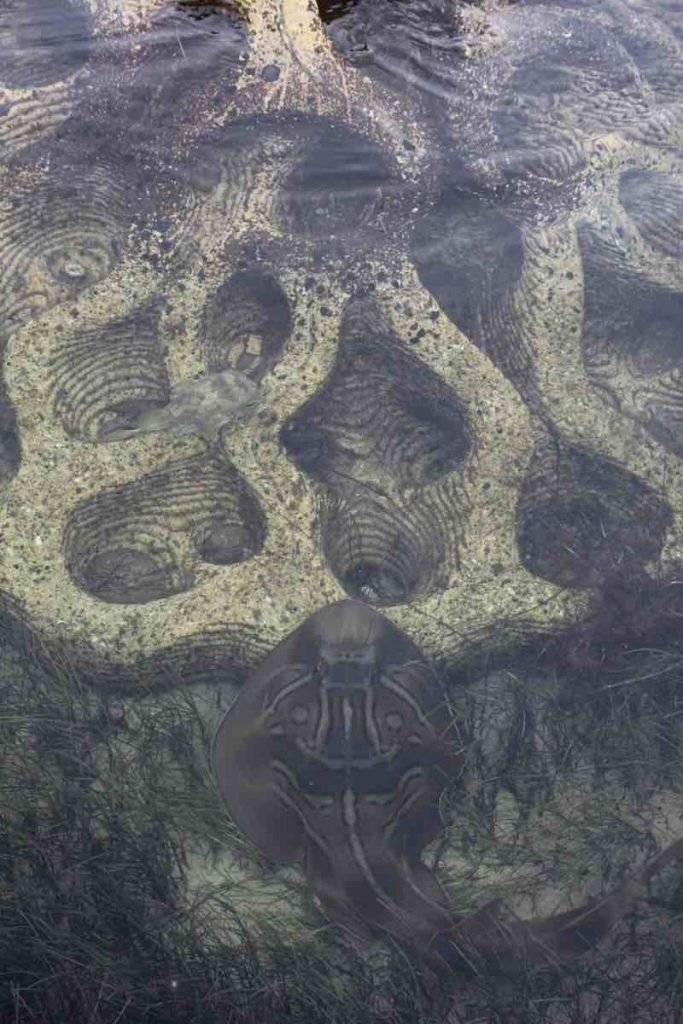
(495, 933)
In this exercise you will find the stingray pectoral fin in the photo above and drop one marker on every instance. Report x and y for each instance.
(257, 796)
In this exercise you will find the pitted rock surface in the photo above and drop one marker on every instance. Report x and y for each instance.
(436, 289)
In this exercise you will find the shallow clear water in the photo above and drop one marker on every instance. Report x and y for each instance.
(364, 302)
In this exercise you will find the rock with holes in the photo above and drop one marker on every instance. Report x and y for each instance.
(59, 236)
(204, 406)
(582, 520)
(388, 440)
(141, 541)
(654, 202)
(470, 253)
(207, 194)
(107, 377)
(382, 419)
(246, 324)
(632, 315)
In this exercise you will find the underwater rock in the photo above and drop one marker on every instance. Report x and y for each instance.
(30, 118)
(653, 48)
(60, 233)
(341, 186)
(158, 87)
(555, 82)
(382, 418)
(654, 202)
(582, 519)
(569, 68)
(108, 377)
(385, 435)
(129, 544)
(569, 80)
(247, 322)
(188, 41)
(670, 14)
(10, 446)
(42, 41)
(389, 554)
(631, 336)
(412, 47)
(320, 181)
(470, 255)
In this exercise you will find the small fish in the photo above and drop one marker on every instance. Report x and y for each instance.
(203, 406)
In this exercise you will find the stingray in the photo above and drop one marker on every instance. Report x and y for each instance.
(334, 756)
(203, 406)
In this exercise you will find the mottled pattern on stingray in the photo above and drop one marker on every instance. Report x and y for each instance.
(42, 41)
(382, 418)
(246, 324)
(582, 519)
(470, 255)
(61, 234)
(107, 377)
(631, 338)
(390, 554)
(654, 202)
(334, 754)
(140, 541)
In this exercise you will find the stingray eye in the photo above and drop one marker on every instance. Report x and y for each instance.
(393, 721)
(299, 714)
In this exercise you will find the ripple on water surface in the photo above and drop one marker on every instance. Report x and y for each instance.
(42, 41)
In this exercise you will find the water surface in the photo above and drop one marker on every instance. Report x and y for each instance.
(442, 240)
